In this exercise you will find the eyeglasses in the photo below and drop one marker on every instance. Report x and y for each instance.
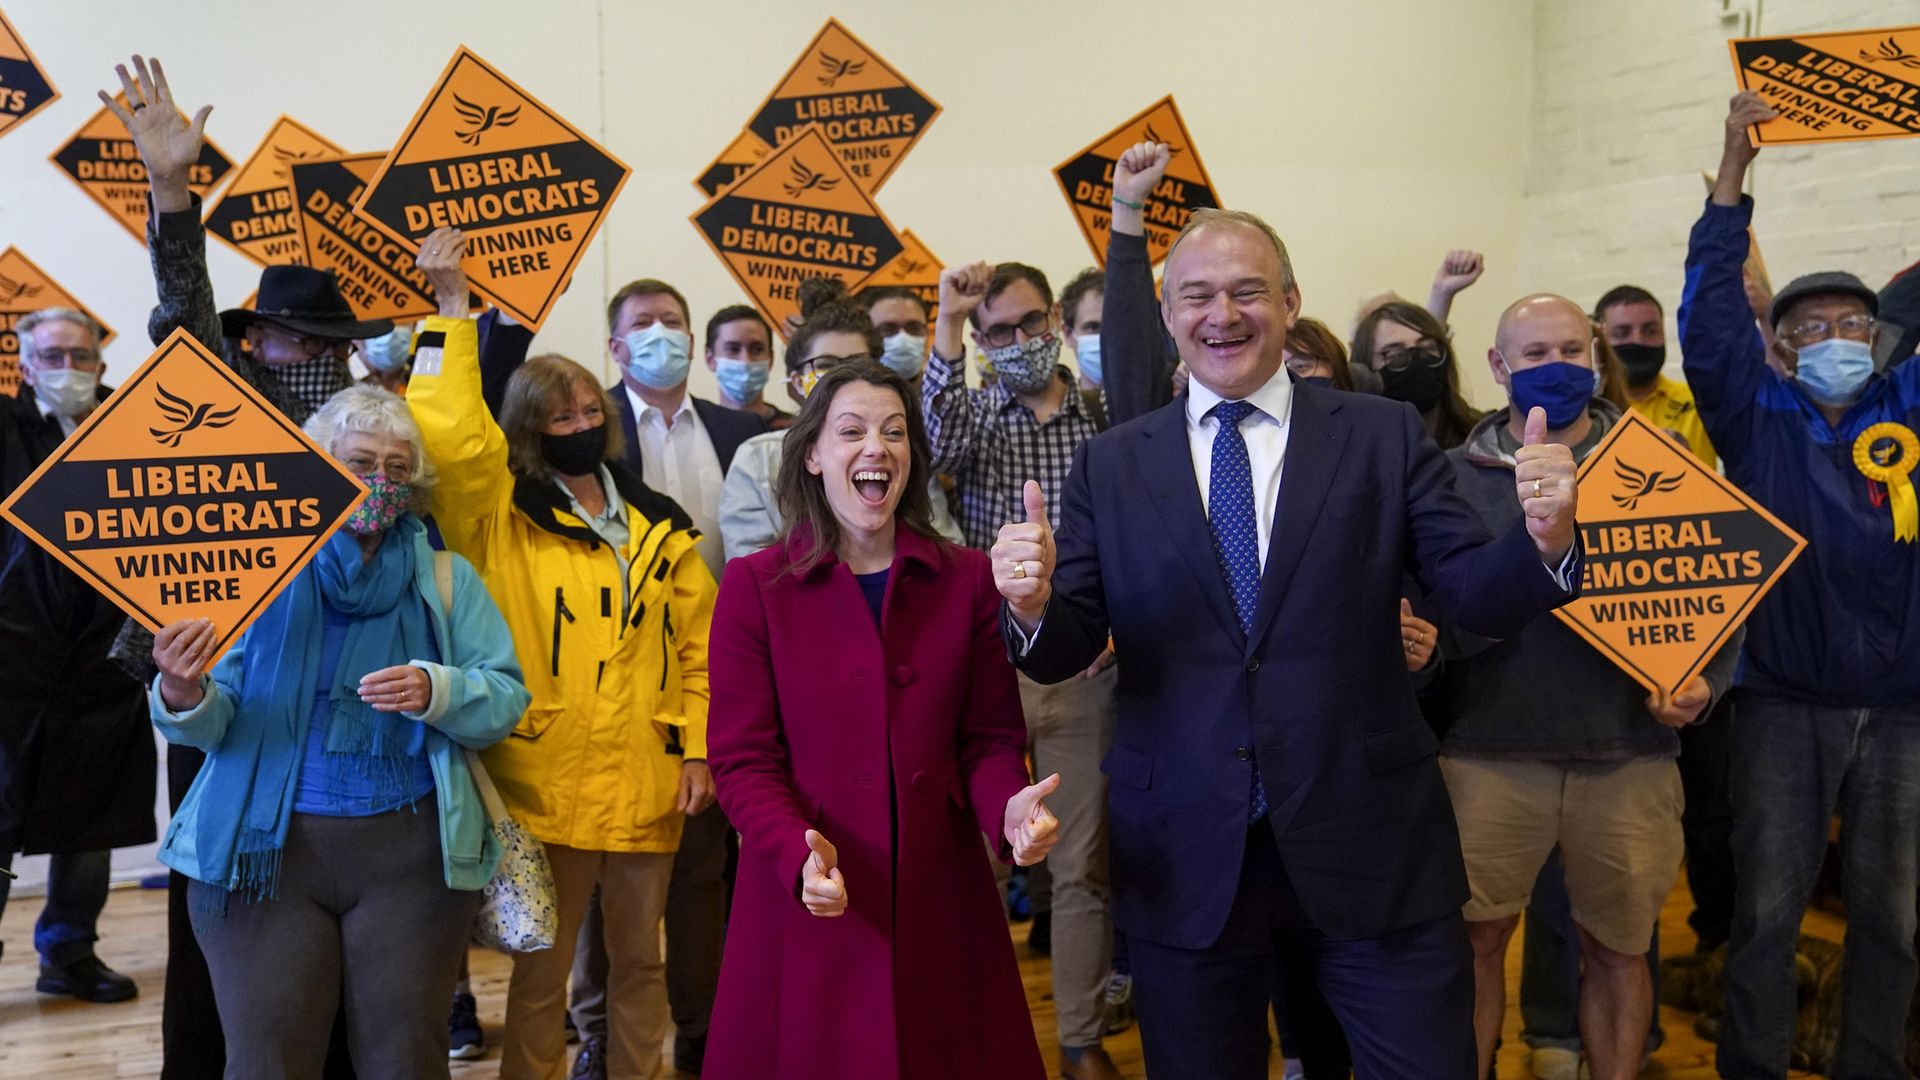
(1033, 324)
(80, 359)
(312, 346)
(1304, 364)
(1851, 327)
(1400, 358)
(399, 472)
(916, 327)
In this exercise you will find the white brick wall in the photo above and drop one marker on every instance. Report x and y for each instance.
(1629, 97)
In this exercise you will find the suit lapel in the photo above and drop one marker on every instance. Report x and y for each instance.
(1166, 463)
(629, 426)
(1315, 437)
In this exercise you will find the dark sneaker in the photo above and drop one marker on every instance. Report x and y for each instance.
(1040, 935)
(465, 1040)
(87, 979)
(1119, 1003)
(591, 1062)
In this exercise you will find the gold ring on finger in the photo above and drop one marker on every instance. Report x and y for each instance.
(1536, 489)
(1019, 569)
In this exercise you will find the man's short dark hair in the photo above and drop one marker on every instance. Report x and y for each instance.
(734, 313)
(1004, 275)
(1624, 294)
(644, 287)
(1091, 280)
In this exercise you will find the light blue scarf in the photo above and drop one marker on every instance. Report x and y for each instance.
(257, 762)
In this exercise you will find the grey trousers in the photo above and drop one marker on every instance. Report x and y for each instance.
(1069, 728)
(362, 920)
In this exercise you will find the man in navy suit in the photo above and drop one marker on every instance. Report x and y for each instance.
(1272, 783)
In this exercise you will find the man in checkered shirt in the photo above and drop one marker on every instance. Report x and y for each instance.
(1025, 424)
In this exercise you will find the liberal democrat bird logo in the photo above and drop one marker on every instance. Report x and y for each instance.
(1891, 52)
(908, 267)
(836, 68)
(186, 416)
(1640, 484)
(805, 179)
(483, 118)
(11, 290)
(1154, 136)
(288, 157)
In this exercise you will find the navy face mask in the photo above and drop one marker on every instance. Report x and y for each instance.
(1562, 389)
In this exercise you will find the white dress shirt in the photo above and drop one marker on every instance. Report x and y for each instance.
(680, 463)
(1265, 432)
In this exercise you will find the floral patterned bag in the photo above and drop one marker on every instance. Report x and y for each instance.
(517, 912)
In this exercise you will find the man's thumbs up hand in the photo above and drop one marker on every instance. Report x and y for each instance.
(822, 888)
(1546, 481)
(1023, 561)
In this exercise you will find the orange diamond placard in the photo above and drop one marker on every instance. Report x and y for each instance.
(24, 86)
(796, 215)
(869, 112)
(24, 289)
(376, 274)
(1836, 87)
(527, 188)
(1086, 179)
(914, 268)
(185, 495)
(1676, 557)
(102, 160)
(255, 216)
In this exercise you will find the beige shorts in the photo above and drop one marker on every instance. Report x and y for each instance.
(1617, 825)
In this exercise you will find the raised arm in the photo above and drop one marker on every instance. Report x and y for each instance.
(1459, 269)
(1721, 348)
(1139, 365)
(952, 411)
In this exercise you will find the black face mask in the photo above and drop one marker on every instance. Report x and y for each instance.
(576, 454)
(1643, 362)
(1419, 386)
(1319, 380)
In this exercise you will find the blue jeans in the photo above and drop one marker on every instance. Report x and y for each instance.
(76, 893)
(1550, 967)
(1794, 764)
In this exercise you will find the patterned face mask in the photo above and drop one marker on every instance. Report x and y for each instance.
(386, 501)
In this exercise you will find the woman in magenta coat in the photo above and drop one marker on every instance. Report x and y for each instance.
(865, 730)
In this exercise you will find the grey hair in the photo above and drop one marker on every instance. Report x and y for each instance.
(369, 409)
(53, 314)
(1211, 217)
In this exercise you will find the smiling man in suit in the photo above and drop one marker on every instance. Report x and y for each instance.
(1272, 782)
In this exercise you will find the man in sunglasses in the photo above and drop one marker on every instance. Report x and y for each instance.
(1026, 422)
(1826, 710)
(76, 751)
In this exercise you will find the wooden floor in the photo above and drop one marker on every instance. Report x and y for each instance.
(59, 1039)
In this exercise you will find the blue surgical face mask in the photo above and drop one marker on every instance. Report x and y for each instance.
(659, 356)
(388, 353)
(905, 354)
(741, 380)
(1562, 389)
(1086, 353)
(1833, 371)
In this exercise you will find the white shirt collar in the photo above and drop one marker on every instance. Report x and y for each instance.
(643, 411)
(1274, 399)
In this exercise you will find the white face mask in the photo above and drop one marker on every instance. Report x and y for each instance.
(69, 392)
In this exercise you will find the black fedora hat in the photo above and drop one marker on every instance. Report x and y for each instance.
(305, 301)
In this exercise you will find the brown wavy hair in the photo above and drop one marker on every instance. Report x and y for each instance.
(537, 388)
(1454, 418)
(802, 496)
(1310, 337)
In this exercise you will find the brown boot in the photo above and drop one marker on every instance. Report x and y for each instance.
(1094, 1064)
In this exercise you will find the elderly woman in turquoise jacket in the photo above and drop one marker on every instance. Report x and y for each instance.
(335, 839)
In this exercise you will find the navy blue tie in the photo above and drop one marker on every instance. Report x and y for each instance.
(1236, 537)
